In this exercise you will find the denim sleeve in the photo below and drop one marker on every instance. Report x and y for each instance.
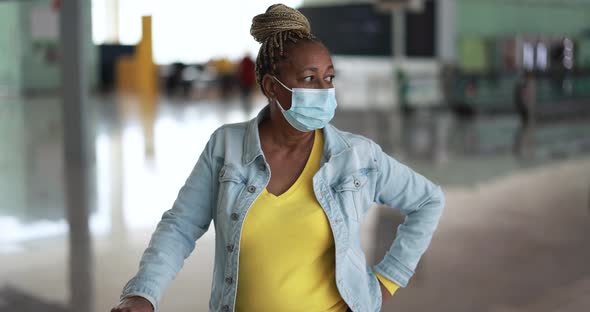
(422, 203)
(175, 236)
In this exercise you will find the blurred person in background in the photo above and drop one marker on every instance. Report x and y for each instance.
(225, 72)
(524, 104)
(247, 78)
(287, 193)
(403, 87)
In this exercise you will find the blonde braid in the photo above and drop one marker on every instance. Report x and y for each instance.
(279, 25)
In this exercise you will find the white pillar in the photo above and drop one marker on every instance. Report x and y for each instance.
(399, 34)
(76, 153)
(446, 31)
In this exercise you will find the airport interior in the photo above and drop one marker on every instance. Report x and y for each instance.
(106, 106)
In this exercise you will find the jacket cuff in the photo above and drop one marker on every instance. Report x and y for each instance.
(389, 285)
(393, 270)
(141, 288)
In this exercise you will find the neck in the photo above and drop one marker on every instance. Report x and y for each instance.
(282, 134)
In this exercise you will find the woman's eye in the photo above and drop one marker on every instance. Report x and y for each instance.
(330, 78)
(308, 79)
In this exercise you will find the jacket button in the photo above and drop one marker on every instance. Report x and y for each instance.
(262, 167)
(225, 308)
(235, 216)
(230, 248)
(229, 280)
(357, 183)
(251, 189)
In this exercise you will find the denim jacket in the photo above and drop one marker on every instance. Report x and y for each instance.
(231, 173)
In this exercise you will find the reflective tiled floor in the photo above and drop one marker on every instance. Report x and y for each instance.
(515, 235)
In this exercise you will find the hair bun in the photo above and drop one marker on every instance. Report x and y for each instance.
(278, 18)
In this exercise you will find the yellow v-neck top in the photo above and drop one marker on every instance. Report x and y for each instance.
(287, 255)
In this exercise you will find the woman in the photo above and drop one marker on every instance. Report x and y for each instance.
(289, 241)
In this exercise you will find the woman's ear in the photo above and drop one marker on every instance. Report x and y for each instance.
(268, 86)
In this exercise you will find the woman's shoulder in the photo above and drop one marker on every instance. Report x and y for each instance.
(234, 130)
(350, 139)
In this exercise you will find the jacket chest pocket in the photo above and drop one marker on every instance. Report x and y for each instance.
(349, 194)
(231, 185)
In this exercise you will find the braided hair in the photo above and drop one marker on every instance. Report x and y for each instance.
(278, 26)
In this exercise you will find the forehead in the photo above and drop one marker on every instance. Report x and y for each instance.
(305, 54)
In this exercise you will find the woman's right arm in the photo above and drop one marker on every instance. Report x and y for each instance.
(175, 236)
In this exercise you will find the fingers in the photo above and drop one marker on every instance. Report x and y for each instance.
(133, 304)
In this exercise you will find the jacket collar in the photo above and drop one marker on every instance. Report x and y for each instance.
(334, 142)
(252, 147)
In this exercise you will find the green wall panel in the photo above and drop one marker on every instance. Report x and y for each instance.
(476, 17)
(10, 52)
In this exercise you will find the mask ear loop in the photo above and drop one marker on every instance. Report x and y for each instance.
(280, 106)
(284, 86)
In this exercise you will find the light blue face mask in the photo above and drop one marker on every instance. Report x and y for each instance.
(311, 109)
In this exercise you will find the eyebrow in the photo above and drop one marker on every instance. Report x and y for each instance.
(315, 69)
